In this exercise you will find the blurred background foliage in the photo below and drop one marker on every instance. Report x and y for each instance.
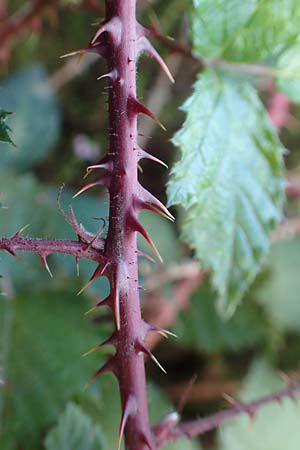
(59, 125)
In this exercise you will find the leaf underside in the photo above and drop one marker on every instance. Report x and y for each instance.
(229, 180)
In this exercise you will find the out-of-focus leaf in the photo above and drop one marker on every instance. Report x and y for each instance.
(36, 120)
(288, 65)
(275, 427)
(201, 327)
(249, 30)
(163, 235)
(228, 180)
(74, 431)
(4, 128)
(42, 342)
(280, 294)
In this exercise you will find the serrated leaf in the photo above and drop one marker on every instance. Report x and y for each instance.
(42, 341)
(74, 431)
(36, 121)
(275, 426)
(249, 30)
(200, 327)
(4, 128)
(228, 180)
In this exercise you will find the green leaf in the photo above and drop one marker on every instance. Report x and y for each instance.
(202, 328)
(244, 31)
(36, 121)
(275, 427)
(280, 293)
(74, 431)
(42, 341)
(288, 66)
(4, 128)
(228, 180)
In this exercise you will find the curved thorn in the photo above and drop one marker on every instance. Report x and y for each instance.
(135, 107)
(98, 273)
(146, 46)
(45, 263)
(147, 197)
(79, 52)
(9, 250)
(112, 75)
(105, 302)
(18, 233)
(145, 155)
(113, 27)
(142, 348)
(144, 255)
(89, 186)
(109, 366)
(130, 408)
(110, 341)
(140, 229)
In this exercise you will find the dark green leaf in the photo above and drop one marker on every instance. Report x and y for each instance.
(4, 128)
(228, 180)
(42, 342)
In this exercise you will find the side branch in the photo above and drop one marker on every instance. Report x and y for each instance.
(172, 431)
(47, 247)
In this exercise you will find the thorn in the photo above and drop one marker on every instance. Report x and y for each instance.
(9, 250)
(146, 155)
(144, 255)
(79, 52)
(100, 182)
(147, 201)
(110, 341)
(105, 302)
(45, 263)
(130, 408)
(141, 348)
(135, 107)
(146, 46)
(18, 233)
(147, 441)
(109, 366)
(98, 273)
(140, 229)
(112, 75)
(113, 27)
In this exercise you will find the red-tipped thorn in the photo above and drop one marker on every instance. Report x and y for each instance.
(141, 348)
(140, 229)
(45, 263)
(146, 155)
(130, 408)
(135, 107)
(113, 27)
(146, 46)
(109, 366)
(146, 200)
(98, 273)
(18, 233)
(110, 341)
